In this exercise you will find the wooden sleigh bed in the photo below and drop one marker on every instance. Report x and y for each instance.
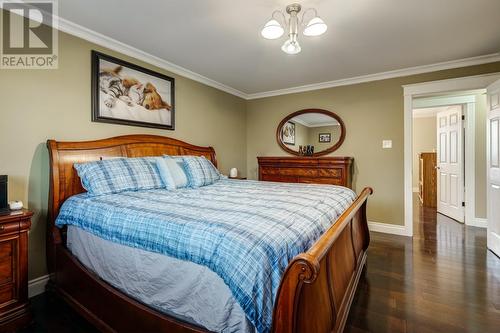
(315, 293)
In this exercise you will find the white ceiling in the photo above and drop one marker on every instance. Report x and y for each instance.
(315, 120)
(221, 39)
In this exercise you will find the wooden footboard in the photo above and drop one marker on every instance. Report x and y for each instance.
(314, 295)
(318, 286)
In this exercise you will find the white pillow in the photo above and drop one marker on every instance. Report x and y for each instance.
(165, 175)
(177, 172)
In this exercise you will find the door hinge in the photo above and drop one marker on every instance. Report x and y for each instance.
(463, 117)
(463, 203)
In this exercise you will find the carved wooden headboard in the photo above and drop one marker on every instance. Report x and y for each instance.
(64, 180)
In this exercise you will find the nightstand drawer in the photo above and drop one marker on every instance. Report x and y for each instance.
(7, 294)
(6, 228)
(5, 249)
(6, 272)
(14, 304)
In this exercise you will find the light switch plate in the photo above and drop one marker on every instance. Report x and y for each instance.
(386, 144)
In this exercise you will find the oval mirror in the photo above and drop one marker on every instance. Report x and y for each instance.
(311, 132)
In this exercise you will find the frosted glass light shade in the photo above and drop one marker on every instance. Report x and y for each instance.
(272, 30)
(291, 47)
(315, 27)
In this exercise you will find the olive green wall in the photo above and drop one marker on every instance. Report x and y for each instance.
(372, 112)
(37, 105)
(314, 137)
(309, 136)
(301, 136)
(424, 141)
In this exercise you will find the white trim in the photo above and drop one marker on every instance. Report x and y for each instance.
(387, 228)
(97, 38)
(37, 286)
(432, 102)
(414, 90)
(488, 58)
(325, 124)
(470, 162)
(408, 166)
(306, 124)
(478, 222)
(493, 237)
(113, 44)
(464, 83)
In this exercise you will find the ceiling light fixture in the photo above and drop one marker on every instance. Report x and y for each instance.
(274, 30)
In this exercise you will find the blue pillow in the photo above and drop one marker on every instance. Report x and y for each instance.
(118, 175)
(200, 171)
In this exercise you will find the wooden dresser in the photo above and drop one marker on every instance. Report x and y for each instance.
(14, 303)
(427, 182)
(318, 170)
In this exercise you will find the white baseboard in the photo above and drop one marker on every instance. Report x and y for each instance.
(478, 222)
(387, 228)
(37, 286)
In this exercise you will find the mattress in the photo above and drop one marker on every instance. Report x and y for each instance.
(244, 231)
(179, 288)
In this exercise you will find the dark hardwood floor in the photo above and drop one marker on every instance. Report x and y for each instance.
(444, 280)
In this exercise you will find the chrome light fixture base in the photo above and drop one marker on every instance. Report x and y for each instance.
(294, 7)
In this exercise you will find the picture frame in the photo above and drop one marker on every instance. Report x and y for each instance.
(288, 133)
(127, 94)
(325, 137)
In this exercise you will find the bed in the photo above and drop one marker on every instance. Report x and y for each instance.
(313, 294)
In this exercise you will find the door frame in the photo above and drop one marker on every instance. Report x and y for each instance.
(468, 102)
(492, 242)
(422, 89)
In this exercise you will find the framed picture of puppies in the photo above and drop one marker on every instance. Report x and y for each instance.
(288, 133)
(127, 94)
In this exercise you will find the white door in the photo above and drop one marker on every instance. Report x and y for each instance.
(493, 165)
(450, 162)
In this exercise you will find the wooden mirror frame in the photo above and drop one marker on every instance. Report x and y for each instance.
(321, 153)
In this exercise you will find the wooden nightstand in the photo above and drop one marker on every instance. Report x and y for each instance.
(14, 304)
(240, 178)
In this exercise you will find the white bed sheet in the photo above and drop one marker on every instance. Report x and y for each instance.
(183, 289)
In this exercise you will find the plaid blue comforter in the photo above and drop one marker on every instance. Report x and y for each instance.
(245, 231)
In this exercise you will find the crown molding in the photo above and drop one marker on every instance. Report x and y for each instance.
(484, 59)
(95, 37)
(115, 45)
(305, 123)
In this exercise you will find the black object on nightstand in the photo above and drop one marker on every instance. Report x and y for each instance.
(4, 206)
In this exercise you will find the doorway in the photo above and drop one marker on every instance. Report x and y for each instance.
(439, 152)
(444, 89)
